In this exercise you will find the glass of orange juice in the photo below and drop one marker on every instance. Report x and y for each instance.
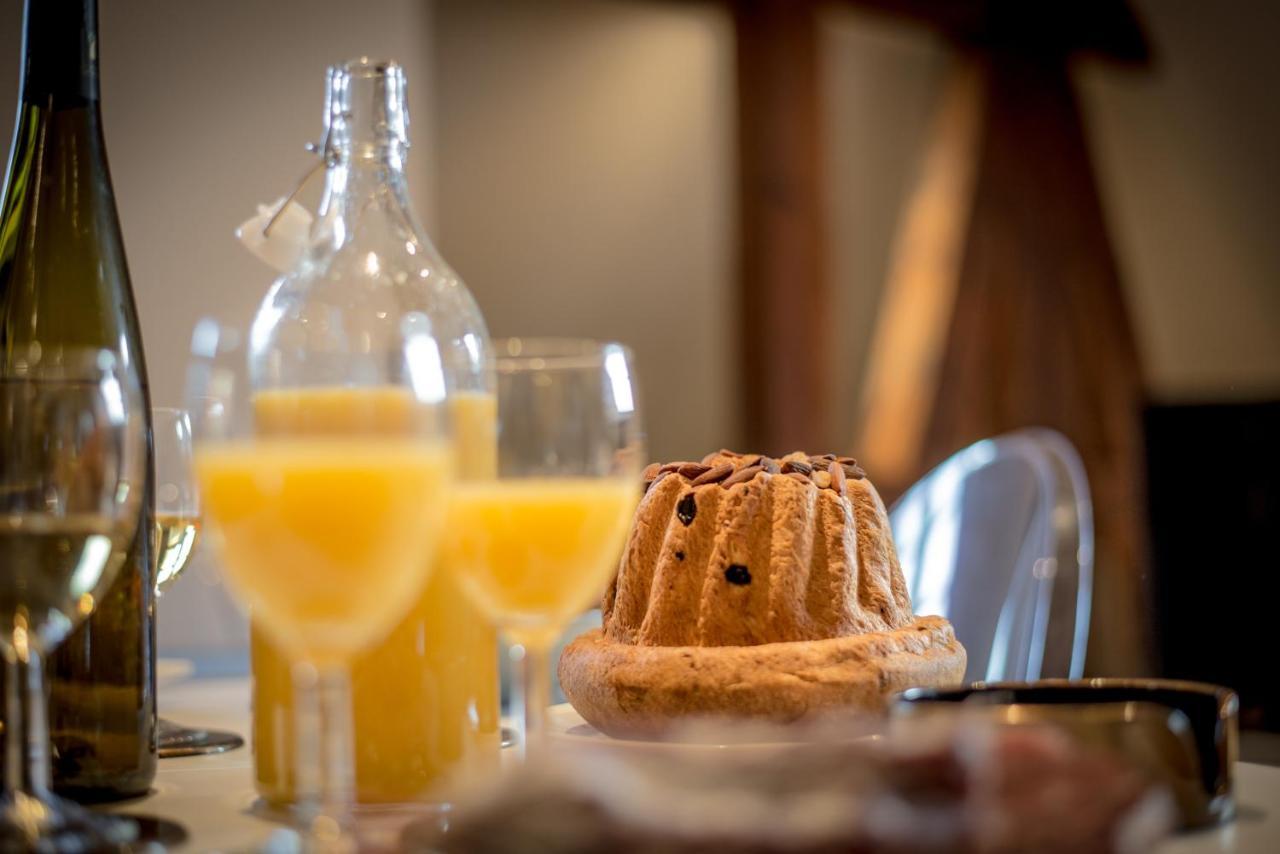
(534, 546)
(425, 698)
(326, 497)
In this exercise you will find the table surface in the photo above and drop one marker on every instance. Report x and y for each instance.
(212, 797)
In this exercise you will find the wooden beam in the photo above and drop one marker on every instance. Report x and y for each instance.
(909, 340)
(784, 316)
(1041, 335)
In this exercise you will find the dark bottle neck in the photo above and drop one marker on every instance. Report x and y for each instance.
(60, 46)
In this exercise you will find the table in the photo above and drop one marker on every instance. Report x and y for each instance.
(213, 797)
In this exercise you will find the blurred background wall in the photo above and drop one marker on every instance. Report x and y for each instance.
(584, 155)
(575, 161)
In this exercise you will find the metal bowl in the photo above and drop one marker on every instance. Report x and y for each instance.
(1182, 734)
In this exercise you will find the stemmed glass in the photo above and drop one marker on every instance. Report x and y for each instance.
(177, 531)
(324, 498)
(177, 499)
(535, 546)
(72, 482)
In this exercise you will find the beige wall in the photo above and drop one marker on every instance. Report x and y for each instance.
(586, 182)
(1188, 157)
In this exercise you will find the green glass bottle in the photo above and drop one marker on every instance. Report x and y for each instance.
(64, 283)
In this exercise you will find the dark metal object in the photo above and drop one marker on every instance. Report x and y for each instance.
(176, 740)
(1182, 734)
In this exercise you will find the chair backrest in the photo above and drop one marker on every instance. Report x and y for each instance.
(999, 540)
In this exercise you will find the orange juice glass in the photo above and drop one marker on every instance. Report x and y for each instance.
(425, 700)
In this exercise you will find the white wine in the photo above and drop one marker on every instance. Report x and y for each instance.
(53, 570)
(176, 536)
(64, 283)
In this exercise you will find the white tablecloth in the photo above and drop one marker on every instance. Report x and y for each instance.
(212, 796)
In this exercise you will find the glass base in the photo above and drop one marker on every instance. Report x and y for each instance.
(176, 740)
(49, 823)
(425, 833)
(371, 827)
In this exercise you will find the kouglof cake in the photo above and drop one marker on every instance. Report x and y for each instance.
(755, 588)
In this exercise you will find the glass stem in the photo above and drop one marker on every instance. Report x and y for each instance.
(26, 765)
(335, 715)
(534, 687)
(307, 765)
(322, 756)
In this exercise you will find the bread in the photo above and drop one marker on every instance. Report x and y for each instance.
(756, 588)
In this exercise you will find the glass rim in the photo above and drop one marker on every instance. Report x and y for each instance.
(367, 68)
(518, 353)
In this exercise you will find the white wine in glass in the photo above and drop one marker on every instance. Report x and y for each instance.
(73, 459)
(177, 529)
(176, 537)
(177, 521)
(60, 560)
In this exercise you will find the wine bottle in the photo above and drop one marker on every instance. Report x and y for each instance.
(64, 283)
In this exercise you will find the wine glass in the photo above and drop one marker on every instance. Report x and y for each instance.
(177, 529)
(177, 499)
(73, 470)
(537, 544)
(324, 495)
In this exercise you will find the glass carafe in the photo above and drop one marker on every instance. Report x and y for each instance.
(425, 701)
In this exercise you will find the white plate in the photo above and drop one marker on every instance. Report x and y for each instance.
(564, 723)
(567, 730)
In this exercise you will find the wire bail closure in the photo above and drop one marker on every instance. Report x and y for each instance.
(389, 95)
(321, 148)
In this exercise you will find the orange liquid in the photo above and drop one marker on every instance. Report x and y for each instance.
(533, 553)
(327, 540)
(425, 700)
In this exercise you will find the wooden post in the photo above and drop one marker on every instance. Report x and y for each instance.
(784, 317)
(910, 336)
(1040, 334)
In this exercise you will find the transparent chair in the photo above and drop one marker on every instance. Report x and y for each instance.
(999, 540)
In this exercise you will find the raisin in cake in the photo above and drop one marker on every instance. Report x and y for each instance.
(759, 588)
